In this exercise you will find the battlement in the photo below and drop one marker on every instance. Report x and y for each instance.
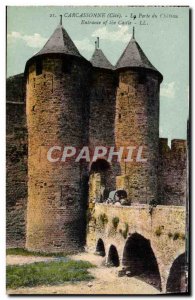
(163, 145)
(178, 145)
(178, 148)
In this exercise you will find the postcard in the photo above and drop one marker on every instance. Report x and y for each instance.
(98, 139)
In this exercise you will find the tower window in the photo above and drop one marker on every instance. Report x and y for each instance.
(39, 67)
(66, 66)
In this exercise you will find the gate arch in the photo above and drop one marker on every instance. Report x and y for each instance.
(100, 180)
(139, 259)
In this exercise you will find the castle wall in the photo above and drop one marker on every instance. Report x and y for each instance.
(172, 170)
(15, 89)
(137, 124)
(56, 115)
(16, 161)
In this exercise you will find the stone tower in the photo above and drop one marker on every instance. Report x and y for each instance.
(57, 115)
(137, 122)
(102, 100)
(102, 110)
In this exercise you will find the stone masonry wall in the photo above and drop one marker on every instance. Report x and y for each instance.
(102, 108)
(137, 124)
(164, 227)
(172, 172)
(16, 161)
(101, 125)
(56, 115)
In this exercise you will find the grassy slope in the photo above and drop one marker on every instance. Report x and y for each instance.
(47, 273)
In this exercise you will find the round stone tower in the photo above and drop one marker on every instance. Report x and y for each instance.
(102, 109)
(137, 123)
(102, 100)
(57, 116)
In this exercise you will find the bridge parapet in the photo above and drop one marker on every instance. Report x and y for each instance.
(162, 226)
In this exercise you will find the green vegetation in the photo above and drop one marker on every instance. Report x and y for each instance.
(24, 252)
(158, 231)
(47, 273)
(182, 236)
(170, 235)
(115, 222)
(176, 236)
(103, 219)
(125, 231)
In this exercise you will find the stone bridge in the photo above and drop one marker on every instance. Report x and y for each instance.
(144, 241)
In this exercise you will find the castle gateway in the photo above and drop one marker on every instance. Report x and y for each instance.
(115, 208)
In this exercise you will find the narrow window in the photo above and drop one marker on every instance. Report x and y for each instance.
(39, 67)
(66, 66)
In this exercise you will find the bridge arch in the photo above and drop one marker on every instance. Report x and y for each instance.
(113, 257)
(139, 259)
(100, 248)
(176, 282)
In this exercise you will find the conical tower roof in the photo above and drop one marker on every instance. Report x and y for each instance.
(59, 42)
(134, 57)
(99, 60)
